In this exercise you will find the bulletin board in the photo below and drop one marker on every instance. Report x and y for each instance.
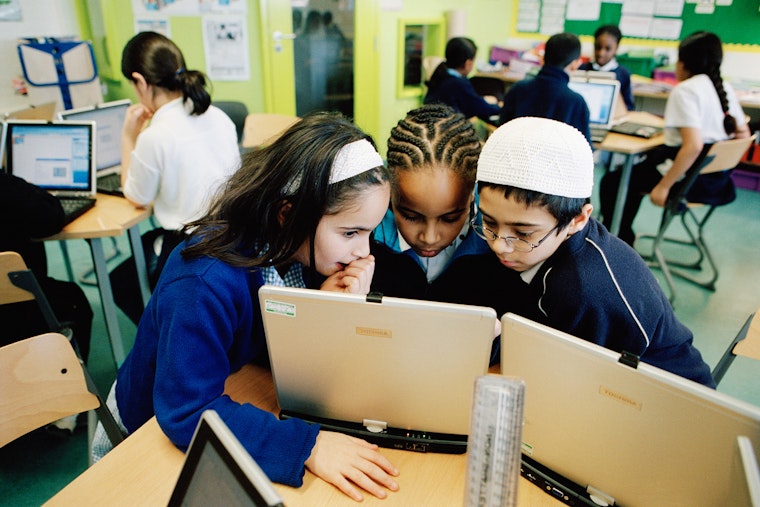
(738, 23)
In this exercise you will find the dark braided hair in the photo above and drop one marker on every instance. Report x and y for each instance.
(702, 53)
(434, 134)
(161, 63)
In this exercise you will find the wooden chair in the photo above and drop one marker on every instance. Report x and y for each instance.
(721, 156)
(746, 344)
(43, 378)
(262, 129)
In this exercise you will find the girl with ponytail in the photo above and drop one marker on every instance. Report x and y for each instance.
(701, 110)
(177, 149)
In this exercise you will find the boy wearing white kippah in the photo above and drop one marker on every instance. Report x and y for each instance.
(534, 179)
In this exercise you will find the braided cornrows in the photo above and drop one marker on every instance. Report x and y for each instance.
(434, 134)
(702, 53)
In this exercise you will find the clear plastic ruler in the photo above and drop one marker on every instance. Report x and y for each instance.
(494, 444)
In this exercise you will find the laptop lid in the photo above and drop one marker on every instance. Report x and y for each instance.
(377, 362)
(219, 471)
(56, 156)
(109, 120)
(642, 436)
(601, 96)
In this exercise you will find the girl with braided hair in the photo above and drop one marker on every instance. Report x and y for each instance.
(432, 157)
(701, 110)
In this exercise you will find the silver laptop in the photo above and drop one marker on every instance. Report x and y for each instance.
(597, 427)
(602, 96)
(396, 372)
(109, 119)
(219, 471)
(56, 156)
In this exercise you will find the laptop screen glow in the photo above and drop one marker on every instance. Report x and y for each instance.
(53, 156)
(600, 97)
(109, 119)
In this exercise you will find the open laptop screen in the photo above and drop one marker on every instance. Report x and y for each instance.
(55, 156)
(639, 435)
(601, 97)
(219, 471)
(109, 120)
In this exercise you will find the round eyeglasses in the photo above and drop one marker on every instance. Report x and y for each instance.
(516, 244)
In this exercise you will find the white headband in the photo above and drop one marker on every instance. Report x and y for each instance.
(354, 158)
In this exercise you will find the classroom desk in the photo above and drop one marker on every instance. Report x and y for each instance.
(111, 216)
(262, 128)
(629, 146)
(144, 468)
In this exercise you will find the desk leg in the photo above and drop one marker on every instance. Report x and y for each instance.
(138, 255)
(622, 193)
(106, 298)
(66, 259)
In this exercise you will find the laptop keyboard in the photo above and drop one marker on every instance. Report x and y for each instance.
(636, 129)
(110, 184)
(75, 207)
(598, 135)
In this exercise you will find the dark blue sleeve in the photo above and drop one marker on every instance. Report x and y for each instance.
(473, 104)
(626, 90)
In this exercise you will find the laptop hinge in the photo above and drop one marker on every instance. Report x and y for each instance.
(375, 297)
(600, 497)
(374, 426)
(629, 359)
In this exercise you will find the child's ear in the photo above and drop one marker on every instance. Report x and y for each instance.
(581, 219)
(282, 213)
(139, 81)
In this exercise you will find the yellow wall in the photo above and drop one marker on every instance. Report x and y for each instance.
(377, 106)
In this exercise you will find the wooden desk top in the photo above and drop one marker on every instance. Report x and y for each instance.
(144, 468)
(111, 216)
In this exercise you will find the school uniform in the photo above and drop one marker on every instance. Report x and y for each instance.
(599, 289)
(547, 95)
(456, 91)
(202, 324)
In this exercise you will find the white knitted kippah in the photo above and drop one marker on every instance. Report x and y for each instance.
(538, 154)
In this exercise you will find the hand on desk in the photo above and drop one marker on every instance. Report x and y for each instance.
(346, 462)
(355, 277)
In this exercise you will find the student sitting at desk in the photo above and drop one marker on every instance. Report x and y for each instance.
(547, 95)
(300, 209)
(432, 157)
(606, 41)
(449, 84)
(557, 265)
(175, 163)
(702, 109)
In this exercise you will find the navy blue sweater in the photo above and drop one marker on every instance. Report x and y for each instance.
(459, 93)
(547, 96)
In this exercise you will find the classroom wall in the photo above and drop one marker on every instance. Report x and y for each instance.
(55, 18)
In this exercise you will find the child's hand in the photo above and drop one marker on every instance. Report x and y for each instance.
(134, 121)
(659, 195)
(347, 462)
(355, 278)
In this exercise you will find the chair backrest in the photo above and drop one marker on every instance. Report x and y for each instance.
(727, 154)
(18, 284)
(41, 380)
(237, 111)
(263, 128)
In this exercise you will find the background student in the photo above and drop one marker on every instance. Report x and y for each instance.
(701, 109)
(606, 42)
(432, 157)
(534, 180)
(297, 213)
(178, 160)
(547, 95)
(28, 212)
(449, 83)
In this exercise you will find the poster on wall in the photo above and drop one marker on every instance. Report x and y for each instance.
(10, 10)
(188, 7)
(154, 24)
(225, 42)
